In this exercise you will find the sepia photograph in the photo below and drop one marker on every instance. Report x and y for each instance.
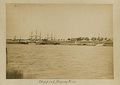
(59, 41)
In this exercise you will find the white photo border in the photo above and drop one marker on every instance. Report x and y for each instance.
(116, 47)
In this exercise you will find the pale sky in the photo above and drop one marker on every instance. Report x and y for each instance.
(64, 21)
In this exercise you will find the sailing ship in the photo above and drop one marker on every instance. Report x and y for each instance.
(37, 40)
(17, 41)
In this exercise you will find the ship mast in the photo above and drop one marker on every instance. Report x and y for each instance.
(51, 36)
(54, 37)
(15, 37)
(47, 37)
(36, 35)
(20, 38)
(31, 36)
(40, 36)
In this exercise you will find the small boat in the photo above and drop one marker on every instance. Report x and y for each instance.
(99, 44)
(109, 43)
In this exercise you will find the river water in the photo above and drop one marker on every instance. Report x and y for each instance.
(61, 61)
